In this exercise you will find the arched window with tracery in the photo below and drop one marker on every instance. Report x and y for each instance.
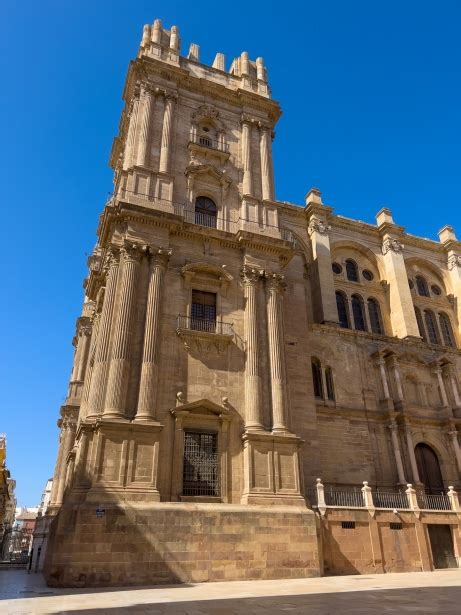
(431, 327)
(358, 313)
(422, 286)
(343, 312)
(317, 378)
(419, 320)
(447, 331)
(206, 212)
(352, 271)
(374, 313)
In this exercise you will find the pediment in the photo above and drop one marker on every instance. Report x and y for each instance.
(210, 172)
(203, 407)
(192, 270)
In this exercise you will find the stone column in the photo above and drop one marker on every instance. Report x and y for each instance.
(100, 367)
(398, 379)
(454, 387)
(149, 371)
(266, 163)
(95, 320)
(68, 425)
(119, 370)
(165, 147)
(274, 289)
(247, 184)
(398, 456)
(443, 393)
(454, 438)
(145, 129)
(84, 341)
(131, 136)
(411, 454)
(382, 369)
(451, 247)
(253, 411)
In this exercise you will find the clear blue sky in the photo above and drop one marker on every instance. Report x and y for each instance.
(370, 93)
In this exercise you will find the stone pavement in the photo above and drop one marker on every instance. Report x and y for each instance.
(415, 593)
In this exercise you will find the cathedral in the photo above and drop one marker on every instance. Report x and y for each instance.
(260, 389)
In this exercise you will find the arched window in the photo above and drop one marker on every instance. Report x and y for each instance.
(447, 331)
(422, 287)
(431, 327)
(206, 212)
(343, 314)
(429, 469)
(317, 378)
(358, 313)
(329, 384)
(352, 271)
(419, 320)
(374, 313)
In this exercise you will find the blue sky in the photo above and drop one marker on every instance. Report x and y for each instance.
(370, 93)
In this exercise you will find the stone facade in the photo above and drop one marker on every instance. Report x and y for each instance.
(232, 348)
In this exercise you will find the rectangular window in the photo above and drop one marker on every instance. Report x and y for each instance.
(203, 311)
(200, 471)
(396, 526)
(348, 525)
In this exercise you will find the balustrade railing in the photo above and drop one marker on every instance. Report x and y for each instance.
(383, 499)
(337, 497)
(206, 141)
(434, 502)
(205, 325)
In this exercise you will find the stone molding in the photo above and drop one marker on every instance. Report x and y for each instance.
(392, 244)
(318, 226)
(454, 261)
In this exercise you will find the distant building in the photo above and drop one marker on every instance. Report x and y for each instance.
(40, 539)
(7, 491)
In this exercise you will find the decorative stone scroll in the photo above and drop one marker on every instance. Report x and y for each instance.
(454, 260)
(318, 226)
(392, 244)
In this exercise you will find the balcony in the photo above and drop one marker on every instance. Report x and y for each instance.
(324, 498)
(204, 335)
(228, 224)
(205, 141)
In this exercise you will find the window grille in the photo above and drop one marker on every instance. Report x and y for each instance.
(352, 271)
(200, 472)
(447, 332)
(341, 306)
(205, 141)
(395, 526)
(206, 212)
(431, 326)
(203, 311)
(421, 286)
(358, 313)
(348, 525)
(375, 316)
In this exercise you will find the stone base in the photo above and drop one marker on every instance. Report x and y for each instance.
(179, 543)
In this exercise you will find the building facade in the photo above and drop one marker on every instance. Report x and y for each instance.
(233, 348)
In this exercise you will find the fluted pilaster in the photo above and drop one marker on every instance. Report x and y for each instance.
(96, 319)
(266, 163)
(100, 367)
(149, 371)
(397, 454)
(117, 382)
(253, 411)
(131, 136)
(68, 427)
(274, 288)
(165, 148)
(145, 128)
(411, 454)
(247, 187)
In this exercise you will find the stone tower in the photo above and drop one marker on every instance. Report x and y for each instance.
(179, 388)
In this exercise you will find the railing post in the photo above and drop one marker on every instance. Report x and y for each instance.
(453, 497)
(412, 499)
(368, 498)
(321, 496)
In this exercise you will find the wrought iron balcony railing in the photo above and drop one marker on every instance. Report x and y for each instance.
(383, 499)
(204, 325)
(206, 141)
(434, 502)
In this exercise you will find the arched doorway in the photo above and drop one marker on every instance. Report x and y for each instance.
(206, 212)
(429, 469)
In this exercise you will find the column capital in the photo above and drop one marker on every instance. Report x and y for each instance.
(250, 276)
(132, 251)
(274, 281)
(160, 256)
(248, 119)
(454, 260)
(394, 245)
(393, 425)
(111, 259)
(318, 226)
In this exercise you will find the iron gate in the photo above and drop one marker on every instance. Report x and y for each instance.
(15, 546)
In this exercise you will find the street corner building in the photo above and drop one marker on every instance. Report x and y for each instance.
(260, 390)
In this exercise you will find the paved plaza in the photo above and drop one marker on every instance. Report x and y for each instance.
(415, 593)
